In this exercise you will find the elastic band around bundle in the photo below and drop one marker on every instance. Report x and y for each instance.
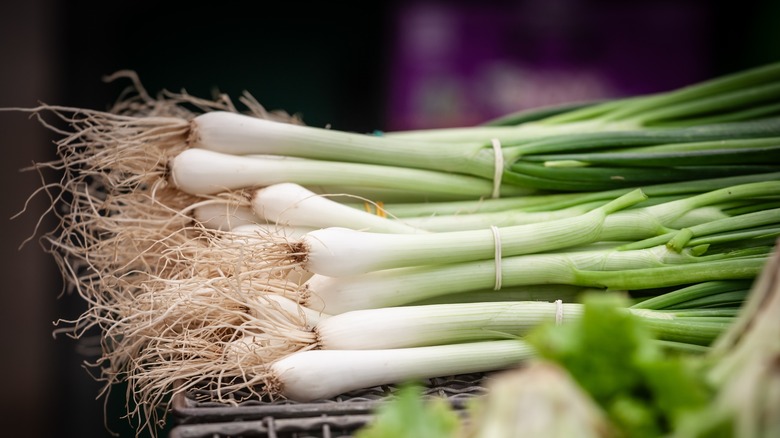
(498, 169)
(497, 245)
(558, 312)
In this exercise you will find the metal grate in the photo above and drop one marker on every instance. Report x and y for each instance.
(339, 417)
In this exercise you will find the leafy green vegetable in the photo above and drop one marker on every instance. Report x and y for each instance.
(644, 389)
(410, 415)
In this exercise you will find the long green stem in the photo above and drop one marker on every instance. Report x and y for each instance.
(747, 221)
(645, 137)
(706, 313)
(592, 178)
(674, 275)
(756, 111)
(412, 326)
(722, 102)
(535, 114)
(707, 231)
(732, 298)
(436, 324)
(606, 269)
(549, 202)
(631, 224)
(340, 252)
(742, 151)
(534, 292)
(753, 237)
(692, 292)
(442, 223)
(689, 330)
(702, 90)
(199, 171)
(242, 135)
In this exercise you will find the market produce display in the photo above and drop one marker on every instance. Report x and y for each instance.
(250, 255)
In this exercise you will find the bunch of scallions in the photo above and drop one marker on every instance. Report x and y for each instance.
(252, 256)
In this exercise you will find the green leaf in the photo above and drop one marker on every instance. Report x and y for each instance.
(601, 349)
(410, 415)
(676, 387)
(613, 355)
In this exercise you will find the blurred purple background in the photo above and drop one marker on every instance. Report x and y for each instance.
(387, 66)
(461, 63)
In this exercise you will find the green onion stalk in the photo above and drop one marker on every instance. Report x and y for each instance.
(612, 269)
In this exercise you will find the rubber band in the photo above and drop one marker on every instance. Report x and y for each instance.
(498, 169)
(497, 246)
(558, 312)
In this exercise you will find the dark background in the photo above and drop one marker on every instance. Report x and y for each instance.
(350, 68)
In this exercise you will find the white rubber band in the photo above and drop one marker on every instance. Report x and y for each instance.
(498, 167)
(558, 312)
(497, 245)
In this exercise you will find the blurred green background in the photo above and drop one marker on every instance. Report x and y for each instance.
(354, 68)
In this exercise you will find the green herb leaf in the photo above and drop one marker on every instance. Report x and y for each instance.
(613, 355)
(410, 415)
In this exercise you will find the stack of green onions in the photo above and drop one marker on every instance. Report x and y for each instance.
(226, 251)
